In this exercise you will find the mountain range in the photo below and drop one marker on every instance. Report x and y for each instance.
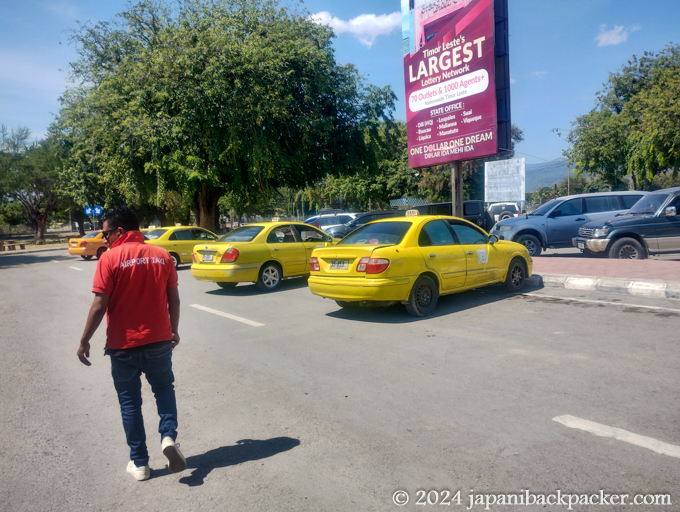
(545, 174)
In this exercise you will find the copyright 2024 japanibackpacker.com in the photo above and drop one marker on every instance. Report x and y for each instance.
(485, 501)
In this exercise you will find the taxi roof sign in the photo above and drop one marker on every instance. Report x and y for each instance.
(276, 219)
(412, 213)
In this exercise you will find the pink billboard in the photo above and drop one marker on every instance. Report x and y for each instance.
(449, 77)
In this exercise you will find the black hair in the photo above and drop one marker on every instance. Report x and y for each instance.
(121, 217)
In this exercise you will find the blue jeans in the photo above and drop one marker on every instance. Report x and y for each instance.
(126, 369)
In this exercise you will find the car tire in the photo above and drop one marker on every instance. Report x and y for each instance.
(100, 251)
(505, 216)
(270, 277)
(423, 298)
(627, 249)
(348, 305)
(516, 277)
(175, 259)
(86, 257)
(532, 244)
(226, 286)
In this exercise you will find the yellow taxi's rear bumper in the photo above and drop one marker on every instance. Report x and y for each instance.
(353, 289)
(225, 273)
(83, 251)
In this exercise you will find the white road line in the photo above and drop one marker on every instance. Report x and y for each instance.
(600, 302)
(76, 268)
(55, 261)
(618, 433)
(227, 315)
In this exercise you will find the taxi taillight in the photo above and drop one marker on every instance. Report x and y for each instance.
(193, 257)
(314, 264)
(373, 265)
(230, 255)
(83, 243)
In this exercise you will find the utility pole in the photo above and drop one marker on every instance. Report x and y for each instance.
(457, 189)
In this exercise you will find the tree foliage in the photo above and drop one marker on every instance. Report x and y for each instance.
(634, 129)
(214, 97)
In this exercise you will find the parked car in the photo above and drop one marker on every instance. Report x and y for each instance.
(92, 244)
(328, 221)
(179, 241)
(413, 260)
(262, 253)
(502, 211)
(554, 224)
(473, 211)
(651, 226)
(361, 219)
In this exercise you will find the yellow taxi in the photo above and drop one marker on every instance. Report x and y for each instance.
(263, 253)
(413, 260)
(92, 244)
(179, 240)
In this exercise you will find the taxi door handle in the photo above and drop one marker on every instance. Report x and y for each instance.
(276, 248)
(433, 255)
(174, 245)
(470, 252)
(310, 248)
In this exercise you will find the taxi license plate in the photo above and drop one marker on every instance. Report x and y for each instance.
(207, 257)
(339, 264)
(581, 245)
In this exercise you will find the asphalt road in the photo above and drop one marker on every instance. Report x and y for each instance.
(320, 409)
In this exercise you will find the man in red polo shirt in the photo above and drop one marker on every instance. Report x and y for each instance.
(135, 284)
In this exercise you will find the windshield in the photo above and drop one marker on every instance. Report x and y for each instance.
(155, 234)
(242, 234)
(378, 233)
(546, 207)
(94, 234)
(648, 204)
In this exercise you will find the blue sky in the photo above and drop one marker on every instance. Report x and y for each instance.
(561, 52)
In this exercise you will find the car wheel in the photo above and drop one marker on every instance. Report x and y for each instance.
(627, 249)
(227, 286)
(270, 277)
(423, 299)
(86, 257)
(100, 251)
(505, 216)
(532, 244)
(517, 276)
(348, 305)
(175, 259)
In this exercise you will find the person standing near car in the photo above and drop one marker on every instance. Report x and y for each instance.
(135, 284)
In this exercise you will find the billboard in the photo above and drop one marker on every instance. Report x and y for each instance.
(504, 180)
(448, 48)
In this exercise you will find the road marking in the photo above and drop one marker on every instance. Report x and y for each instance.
(600, 302)
(227, 315)
(75, 268)
(618, 433)
(55, 261)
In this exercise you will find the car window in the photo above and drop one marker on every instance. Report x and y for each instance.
(597, 204)
(309, 234)
(94, 234)
(468, 235)
(629, 200)
(675, 202)
(648, 204)
(435, 232)
(378, 233)
(281, 235)
(473, 208)
(616, 203)
(344, 219)
(155, 234)
(568, 208)
(242, 234)
(183, 234)
(201, 234)
(328, 221)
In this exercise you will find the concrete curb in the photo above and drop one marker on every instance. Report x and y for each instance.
(651, 288)
(49, 247)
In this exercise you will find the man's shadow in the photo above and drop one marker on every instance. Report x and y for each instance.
(245, 450)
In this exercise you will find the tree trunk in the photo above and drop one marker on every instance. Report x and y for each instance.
(163, 218)
(42, 224)
(207, 199)
(80, 219)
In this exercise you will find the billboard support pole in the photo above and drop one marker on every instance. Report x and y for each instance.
(457, 188)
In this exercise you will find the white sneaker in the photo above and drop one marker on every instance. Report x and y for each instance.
(176, 461)
(138, 473)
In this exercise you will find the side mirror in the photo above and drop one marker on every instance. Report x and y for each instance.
(493, 239)
(670, 211)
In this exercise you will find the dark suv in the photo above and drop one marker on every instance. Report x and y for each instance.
(361, 219)
(651, 226)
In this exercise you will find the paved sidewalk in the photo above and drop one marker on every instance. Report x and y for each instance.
(648, 278)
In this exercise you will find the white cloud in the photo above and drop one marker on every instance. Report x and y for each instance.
(615, 36)
(365, 27)
(540, 74)
(512, 81)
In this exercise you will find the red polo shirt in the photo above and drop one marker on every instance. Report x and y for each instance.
(137, 277)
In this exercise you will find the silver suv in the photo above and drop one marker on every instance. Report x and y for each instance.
(554, 224)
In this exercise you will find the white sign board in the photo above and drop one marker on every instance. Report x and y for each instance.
(504, 180)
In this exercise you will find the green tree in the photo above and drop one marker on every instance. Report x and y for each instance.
(220, 97)
(634, 130)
